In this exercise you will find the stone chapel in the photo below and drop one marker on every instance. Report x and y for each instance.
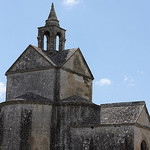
(49, 103)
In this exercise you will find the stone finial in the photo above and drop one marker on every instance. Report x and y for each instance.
(52, 18)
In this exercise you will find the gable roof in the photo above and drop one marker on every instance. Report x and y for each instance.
(121, 113)
(55, 58)
(37, 50)
(59, 58)
(40, 51)
(86, 63)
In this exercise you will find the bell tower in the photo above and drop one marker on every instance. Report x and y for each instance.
(51, 31)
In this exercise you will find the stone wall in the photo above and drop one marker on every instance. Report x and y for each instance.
(103, 137)
(67, 115)
(25, 126)
(73, 84)
(144, 118)
(37, 82)
(141, 134)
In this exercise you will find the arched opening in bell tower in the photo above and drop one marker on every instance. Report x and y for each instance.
(51, 37)
(46, 40)
(57, 43)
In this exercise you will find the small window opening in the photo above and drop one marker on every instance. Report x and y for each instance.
(45, 42)
(144, 146)
(57, 42)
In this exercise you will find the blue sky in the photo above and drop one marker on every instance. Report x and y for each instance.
(113, 35)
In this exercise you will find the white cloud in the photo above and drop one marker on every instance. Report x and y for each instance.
(2, 89)
(103, 81)
(71, 2)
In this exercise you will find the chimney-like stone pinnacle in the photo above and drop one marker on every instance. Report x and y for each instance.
(52, 18)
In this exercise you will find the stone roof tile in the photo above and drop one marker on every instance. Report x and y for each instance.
(57, 58)
(76, 99)
(31, 97)
(121, 113)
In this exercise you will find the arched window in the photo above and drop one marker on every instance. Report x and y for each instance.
(46, 39)
(57, 42)
(144, 146)
(45, 42)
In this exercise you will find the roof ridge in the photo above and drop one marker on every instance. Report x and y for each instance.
(120, 104)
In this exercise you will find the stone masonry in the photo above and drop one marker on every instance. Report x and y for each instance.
(49, 103)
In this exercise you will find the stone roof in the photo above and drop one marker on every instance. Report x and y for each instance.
(76, 99)
(121, 113)
(31, 97)
(57, 58)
